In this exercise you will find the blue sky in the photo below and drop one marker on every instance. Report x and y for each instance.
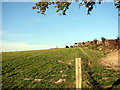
(24, 29)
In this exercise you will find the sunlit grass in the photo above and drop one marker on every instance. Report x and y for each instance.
(55, 68)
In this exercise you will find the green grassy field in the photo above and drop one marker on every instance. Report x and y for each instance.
(55, 68)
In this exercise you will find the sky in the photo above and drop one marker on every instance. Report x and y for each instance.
(24, 29)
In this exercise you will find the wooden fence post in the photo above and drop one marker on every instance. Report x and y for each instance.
(78, 73)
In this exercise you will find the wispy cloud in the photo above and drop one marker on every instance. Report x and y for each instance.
(21, 46)
(0, 32)
(8, 34)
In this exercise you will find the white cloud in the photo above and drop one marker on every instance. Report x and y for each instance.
(17, 46)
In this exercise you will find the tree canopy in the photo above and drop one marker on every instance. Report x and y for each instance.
(63, 5)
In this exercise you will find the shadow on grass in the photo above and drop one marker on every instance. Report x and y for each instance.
(114, 84)
(94, 83)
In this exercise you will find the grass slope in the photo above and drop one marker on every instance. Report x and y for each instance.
(54, 68)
